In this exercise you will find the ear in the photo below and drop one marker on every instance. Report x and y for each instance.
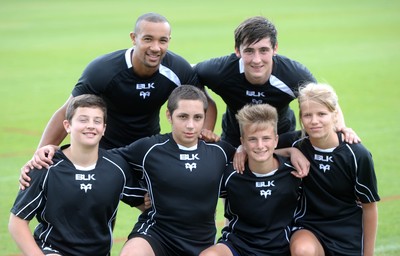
(169, 117)
(335, 117)
(276, 49)
(237, 52)
(67, 126)
(104, 131)
(133, 38)
(276, 140)
(242, 144)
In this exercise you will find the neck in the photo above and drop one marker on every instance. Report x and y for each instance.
(263, 167)
(82, 156)
(141, 70)
(329, 141)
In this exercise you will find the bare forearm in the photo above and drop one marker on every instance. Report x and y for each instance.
(211, 114)
(20, 232)
(54, 133)
(370, 223)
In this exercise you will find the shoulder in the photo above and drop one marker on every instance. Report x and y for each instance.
(216, 65)
(103, 68)
(358, 150)
(111, 156)
(173, 60)
(109, 58)
(177, 69)
(221, 146)
(283, 161)
(287, 139)
(288, 67)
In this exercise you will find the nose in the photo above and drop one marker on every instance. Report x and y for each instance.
(155, 46)
(189, 124)
(259, 143)
(256, 57)
(314, 119)
(90, 125)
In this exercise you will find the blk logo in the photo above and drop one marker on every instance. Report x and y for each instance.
(147, 86)
(188, 157)
(262, 184)
(323, 158)
(84, 177)
(255, 94)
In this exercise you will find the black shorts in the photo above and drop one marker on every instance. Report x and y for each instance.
(231, 247)
(326, 244)
(155, 243)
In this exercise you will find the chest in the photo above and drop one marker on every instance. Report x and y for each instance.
(185, 171)
(133, 94)
(101, 186)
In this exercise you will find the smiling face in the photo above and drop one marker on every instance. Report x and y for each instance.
(151, 40)
(257, 60)
(86, 127)
(259, 142)
(187, 121)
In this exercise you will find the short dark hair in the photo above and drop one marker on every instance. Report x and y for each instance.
(150, 17)
(185, 92)
(85, 101)
(254, 29)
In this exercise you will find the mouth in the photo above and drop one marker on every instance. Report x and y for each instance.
(257, 67)
(315, 129)
(153, 57)
(90, 134)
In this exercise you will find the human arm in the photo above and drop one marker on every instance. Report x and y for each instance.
(54, 133)
(207, 133)
(349, 135)
(47, 151)
(20, 232)
(239, 159)
(370, 223)
(298, 160)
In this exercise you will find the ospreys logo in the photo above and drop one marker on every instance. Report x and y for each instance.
(85, 177)
(189, 157)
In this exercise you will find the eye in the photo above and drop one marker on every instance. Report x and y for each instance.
(83, 120)
(164, 40)
(198, 117)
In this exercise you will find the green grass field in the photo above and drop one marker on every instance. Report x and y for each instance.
(353, 45)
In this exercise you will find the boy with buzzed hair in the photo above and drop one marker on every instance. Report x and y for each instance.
(76, 199)
(183, 175)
